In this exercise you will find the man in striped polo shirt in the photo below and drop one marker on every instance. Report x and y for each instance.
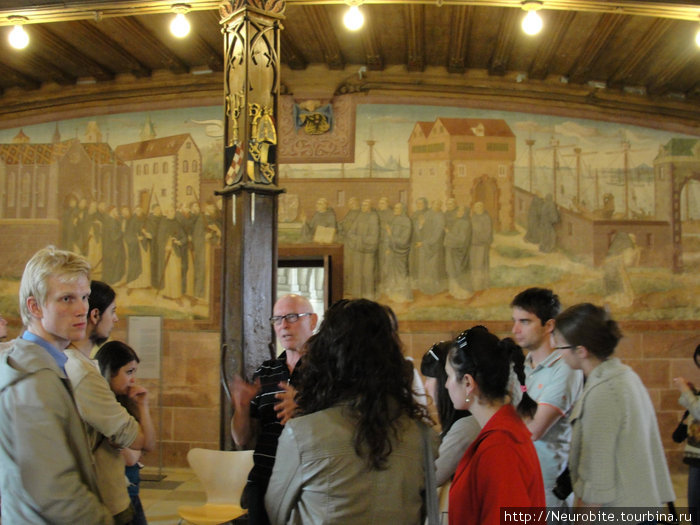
(254, 414)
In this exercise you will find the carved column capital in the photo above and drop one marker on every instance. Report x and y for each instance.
(228, 7)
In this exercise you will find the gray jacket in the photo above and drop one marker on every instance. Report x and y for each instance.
(616, 457)
(318, 478)
(46, 469)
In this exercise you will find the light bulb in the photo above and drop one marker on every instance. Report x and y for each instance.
(19, 39)
(697, 38)
(180, 27)
(532, 23)
(353, 18)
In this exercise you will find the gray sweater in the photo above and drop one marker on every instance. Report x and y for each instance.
(616, 458)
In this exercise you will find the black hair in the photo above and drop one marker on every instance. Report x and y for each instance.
(488, 359)
(101, 296)
(542, 302)
(356, 359)
(433, 365)
(588, 325)
(112, 356)
(696, 355)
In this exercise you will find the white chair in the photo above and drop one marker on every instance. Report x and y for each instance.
(223, 474)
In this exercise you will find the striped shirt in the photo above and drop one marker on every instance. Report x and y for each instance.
(271, 373)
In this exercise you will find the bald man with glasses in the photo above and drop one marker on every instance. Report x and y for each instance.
(259, 415)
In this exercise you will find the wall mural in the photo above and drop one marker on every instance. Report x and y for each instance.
(445, 213)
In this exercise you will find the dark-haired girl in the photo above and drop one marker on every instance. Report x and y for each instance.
(459, 427)
(500, 468)
(356, 455)
(616, 457)
(118, 364)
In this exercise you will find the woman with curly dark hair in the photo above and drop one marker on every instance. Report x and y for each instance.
(500, 468)
(355, 456)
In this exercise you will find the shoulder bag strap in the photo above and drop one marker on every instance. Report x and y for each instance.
(431, 499)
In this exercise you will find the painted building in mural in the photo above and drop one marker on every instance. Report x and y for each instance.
(166, 171)
(39, 181)
(470, 160)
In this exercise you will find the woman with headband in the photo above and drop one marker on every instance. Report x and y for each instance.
(500, 468)
(459, 427)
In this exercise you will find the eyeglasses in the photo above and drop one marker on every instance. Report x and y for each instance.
(565, 347)
(290, 318)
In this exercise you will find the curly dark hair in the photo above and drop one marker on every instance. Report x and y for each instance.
(488, 359)
(356, 358)
(590, 326)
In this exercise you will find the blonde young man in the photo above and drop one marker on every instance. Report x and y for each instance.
(46, 468)
(258, 412)
(109, 426)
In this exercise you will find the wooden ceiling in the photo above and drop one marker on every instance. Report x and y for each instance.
(625, 56)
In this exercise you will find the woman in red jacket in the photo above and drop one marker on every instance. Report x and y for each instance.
(500, 469)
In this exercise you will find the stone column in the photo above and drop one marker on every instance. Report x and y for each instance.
(251, 32)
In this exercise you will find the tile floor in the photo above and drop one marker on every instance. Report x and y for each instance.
(180, 486)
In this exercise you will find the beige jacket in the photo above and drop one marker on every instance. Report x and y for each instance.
(46, 469)
(109, 427)
(318, 478)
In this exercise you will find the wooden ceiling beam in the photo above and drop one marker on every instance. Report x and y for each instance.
(659, 86)
(600, 37)
(460, 31)
(414, 20)
(556, 31)
(58, 51)
(290, 53)
(321, 28)
(131, 30)
(505, 39)
(49, 71)
(214, 57)
(15, 78)
(87, 31)
(631, 64)
(372, 46)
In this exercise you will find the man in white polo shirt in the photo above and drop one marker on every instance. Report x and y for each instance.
(549, 381)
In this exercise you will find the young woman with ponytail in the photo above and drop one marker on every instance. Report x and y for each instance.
(500, 468)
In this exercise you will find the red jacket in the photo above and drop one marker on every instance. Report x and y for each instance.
(499, 469)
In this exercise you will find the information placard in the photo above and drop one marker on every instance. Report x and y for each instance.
(145, 332)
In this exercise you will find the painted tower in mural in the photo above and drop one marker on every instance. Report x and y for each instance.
(470, 160)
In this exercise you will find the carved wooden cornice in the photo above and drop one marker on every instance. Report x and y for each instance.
(547, 97)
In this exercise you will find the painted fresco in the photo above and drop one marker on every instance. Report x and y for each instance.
(131, 192)
(445, 213)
